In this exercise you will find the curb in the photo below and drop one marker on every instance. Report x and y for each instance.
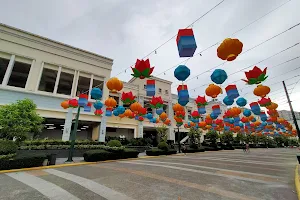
(297, 181)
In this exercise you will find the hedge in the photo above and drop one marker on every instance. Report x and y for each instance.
(58, 142)
(22, 161)
(193, 150)
(7, 147)
(158, 152)
(43, 147)
(101, 155)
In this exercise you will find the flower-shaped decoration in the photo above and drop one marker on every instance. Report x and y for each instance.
(195, 114)
(142, 111)
(201, 101)
(255, 76)
(264, 102)
(156, 102)
(127, 98)
(142, 69)
(180, 114)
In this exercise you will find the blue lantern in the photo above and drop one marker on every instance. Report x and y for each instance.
(182, 72)
(232, 92)
(183, 102)
(231, 120)
(201, 110)
(269, 122)
(226, 128)
(227, 101)
(159, 111)
(153, 120)
(87, 108)
(98, 105)
(115, 112)
(241, 102)
(149, 116)
(214, 125)
(183, 95)
(213, 115)
(247, 112)
(120, 109)
(83, 100)
(253, 120)
(186, 42)
(263, 116)
(218, 76)
(108, 113)
(96, 93)
(236, 119)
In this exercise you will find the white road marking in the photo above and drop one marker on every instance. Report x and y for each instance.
(48, 189)
(93, 186)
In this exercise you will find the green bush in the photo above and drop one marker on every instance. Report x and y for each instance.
(163, 146)
(193, 150)
(57, 142)
(22, 161)
(130, 153)
(114, 143)
(193, 146)
(7, 147)
(100, 155)
(158, 152)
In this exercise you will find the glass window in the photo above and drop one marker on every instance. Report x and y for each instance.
(166, 92)
(83, 84)
(159, 90)
(48, 79)
(145, 87)
(3, 67)
(19, 75)
(65, 83)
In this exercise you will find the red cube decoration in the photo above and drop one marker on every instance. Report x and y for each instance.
(186, 42)
(150, 88)
(232, 92)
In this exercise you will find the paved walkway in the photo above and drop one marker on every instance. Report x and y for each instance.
(261, 174)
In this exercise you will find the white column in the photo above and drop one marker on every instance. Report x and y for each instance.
(9, 70)
(57, 80)
(102, 130)
(140, 124)
(171, 134)
(68, 125)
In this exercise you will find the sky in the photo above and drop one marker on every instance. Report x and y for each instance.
(126, 30)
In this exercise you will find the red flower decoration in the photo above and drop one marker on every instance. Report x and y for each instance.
(142, 69)
(156, 102)
(142, 111)
(127, 98)
(256, 76)
(201, 101)
(264, 102)
(98, 112)
(73, 103)
(180, 114)
(219, 121)
(141, 118)
(195, 114)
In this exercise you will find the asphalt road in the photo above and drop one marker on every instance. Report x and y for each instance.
(261, 174)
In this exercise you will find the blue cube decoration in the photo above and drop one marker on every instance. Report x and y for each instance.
(150, 88)
(232, 92)
(263, 116)
(201, 110)
(182, 102)
(236, 119)
(183, 95)
(186, 42)
(108, 113)
(87, 108)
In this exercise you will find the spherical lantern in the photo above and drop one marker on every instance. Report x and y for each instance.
(121, 109)
(159, 111)
(272, 106)
(247, 112)
(227, 101)
(241, 102)
(261, 91)
(114, 85)
(96, 93)
(213, 90)
(163, 116)
(98, 105)
(219, 76)
(182, 72)
(178, 107)
(229, 49)
(128, 113)
(135, 107)
(65, 104)
(110, 103)
(115, 112)
(201, 110)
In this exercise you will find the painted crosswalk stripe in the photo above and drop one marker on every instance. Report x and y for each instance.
(48, 189)
(93, 186)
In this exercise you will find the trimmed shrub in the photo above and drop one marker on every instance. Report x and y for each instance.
(7, 147)
(130, 153)
(22, 161)
(192, 150)
(114, 143)
(158, 152)
(163, 146)
(101, 155)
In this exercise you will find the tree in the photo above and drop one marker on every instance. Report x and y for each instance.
(162, 133)
(212, 136)
(194, 134)
(239, 138)
(226, 137)
(19, 119)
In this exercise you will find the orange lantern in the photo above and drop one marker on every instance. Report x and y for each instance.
(122, 115)
(110, 102)
(128, 113)
(208, 126)
(202, 124)
(178, 107)
(135, 107)
(167, 122)
(178, 119)
(163, 116)
(272, 106)
(65, 104)
(235, 111)
(251, 117)
(213, 90)
(261, 91)
(237, 129)
(192, 124)
(229, 49)
(280, 120)
(114, 85)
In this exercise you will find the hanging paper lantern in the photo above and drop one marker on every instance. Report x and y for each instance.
(201, 110)
(167, 122)
(73, 103)
(261, 91)
(213, 115)
(140, 118)
(83, 100)
(142, 69)
(108, 112)
(182, 102)
(98, 105)
(263, 116)
(120, 109)
(272, 106)
(135, 107)
(216, 109)
(88, 108)
(186, 42)
(264, 102)
(159, 111)
(195, 114)
(127, 98)
(229, 49)
(156, 102)
(114, 85)
(178, 107)
(182, 72)
(65, 104)
(163, 116)
(110, 102)
(150, 87)
(235, 111)
(241, 102)
(128, 113)
(227, 101)
(201, 101)
(183, 93)
(213, 91)
(255, 108)
(232, 92)
(247, 112)
(149, 116)
(142, 111)
(218, 76)
(98, 112)
(122, 116)
(255, 76)
(96, 93)
(115, 112)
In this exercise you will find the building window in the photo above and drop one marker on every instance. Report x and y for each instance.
(167, 92)
(145, 87)
(83, 84)
(19, 75)
(159, 90)
(65, 83)
(3, 67)
(48, 79)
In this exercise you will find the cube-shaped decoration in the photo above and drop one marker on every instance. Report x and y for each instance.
(232, 92)
(237, 119)
(182, 87)
(255, 108)
(183, 95)
(108, 112)
(263, 116)
(87, 108)
(150, 88)
(216, 109)
(186, 42)
(202, 110)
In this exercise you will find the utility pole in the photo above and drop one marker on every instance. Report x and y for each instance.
(291, 107)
